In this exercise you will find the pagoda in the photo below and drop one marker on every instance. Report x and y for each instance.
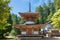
(29, 28)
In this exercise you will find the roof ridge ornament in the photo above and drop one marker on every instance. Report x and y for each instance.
(29, 6)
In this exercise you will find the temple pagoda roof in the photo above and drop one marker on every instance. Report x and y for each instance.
(31, 15)
(30, 26)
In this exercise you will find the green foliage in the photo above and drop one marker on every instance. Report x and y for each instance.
(46, 12)
(56, 19)
(52, 11)
(13, 18)
(22, 21)
(14, 31)
(10, 22)
(4, 15)
(57, 4)
(16, 20)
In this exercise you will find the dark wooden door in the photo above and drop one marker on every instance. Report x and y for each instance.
(29, 31)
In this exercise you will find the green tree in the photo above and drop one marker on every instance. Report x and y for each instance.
(16, 20)
(57, 4)
(40, 10)
(51, 11)
(46, 12)
(4, 15)
(56, 19)
(10, 22)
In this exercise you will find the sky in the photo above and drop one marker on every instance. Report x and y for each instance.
(23, 5)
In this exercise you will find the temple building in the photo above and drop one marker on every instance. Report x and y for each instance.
(29, 28)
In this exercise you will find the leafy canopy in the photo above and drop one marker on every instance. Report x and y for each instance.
(56, 19)
(4, 13)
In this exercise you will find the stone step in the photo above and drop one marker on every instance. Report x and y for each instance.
(37, 38)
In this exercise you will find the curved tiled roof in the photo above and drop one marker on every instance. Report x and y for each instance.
(30, 26)
(27, 15)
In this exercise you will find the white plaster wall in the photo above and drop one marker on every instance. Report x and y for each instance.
(35, 32)
(23, 32)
